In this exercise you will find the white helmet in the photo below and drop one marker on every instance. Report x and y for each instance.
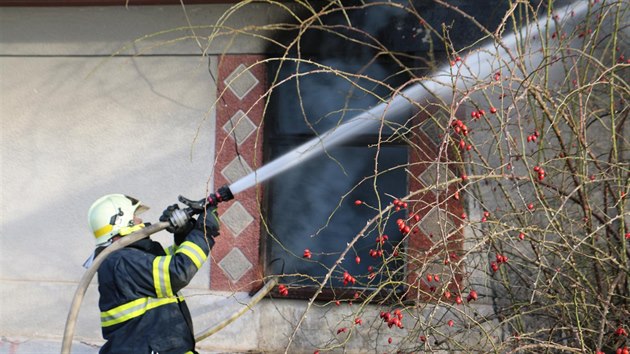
(113, 215)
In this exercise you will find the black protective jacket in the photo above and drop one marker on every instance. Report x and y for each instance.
(141, 311)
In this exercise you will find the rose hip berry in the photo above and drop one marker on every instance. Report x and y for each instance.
(282, 290)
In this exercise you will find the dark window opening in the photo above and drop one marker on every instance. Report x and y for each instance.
(311, 206)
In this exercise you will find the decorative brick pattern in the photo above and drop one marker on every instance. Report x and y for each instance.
(436, 175)
(241, 81)
(236, 169)
(439, 240)
(236, 218)
(235, 264)
(236, 255)
(436, 223)
(240, 127)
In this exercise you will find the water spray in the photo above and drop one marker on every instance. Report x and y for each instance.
(479, 64)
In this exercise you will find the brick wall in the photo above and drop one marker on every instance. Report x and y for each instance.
(240, 85)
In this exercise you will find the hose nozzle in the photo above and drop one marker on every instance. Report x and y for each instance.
(198, 206)
(221, 195)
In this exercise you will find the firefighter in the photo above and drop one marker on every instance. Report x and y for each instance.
(141, 308)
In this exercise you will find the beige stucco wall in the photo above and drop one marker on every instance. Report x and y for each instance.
(77, 124)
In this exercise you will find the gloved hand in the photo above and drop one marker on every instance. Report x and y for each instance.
(178, 219)
(208, 222)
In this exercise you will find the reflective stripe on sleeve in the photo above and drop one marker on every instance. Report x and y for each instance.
(162, 277)
(133, 309)
(194, 252)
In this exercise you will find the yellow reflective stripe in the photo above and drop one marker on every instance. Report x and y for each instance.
(130, 229)
(133, 309)
(194, 252)
(103, 230)
(171, 250)
(162, 276)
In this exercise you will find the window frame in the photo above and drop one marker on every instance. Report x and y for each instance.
(341, 293)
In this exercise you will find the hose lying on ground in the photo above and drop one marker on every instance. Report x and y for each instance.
(253, 301)
(71, 321)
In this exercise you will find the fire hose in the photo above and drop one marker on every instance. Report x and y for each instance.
(223, 194)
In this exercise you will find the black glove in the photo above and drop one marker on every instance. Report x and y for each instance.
(178, 219)
(208, 222)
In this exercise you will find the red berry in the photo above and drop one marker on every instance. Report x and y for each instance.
(458, 300)
(307, 253)
(493, 110)
(357, 259)
(342, 330)
(282, 290)
(472, 296)
(358, 202)
(494, 266)
(389, 340)
(530, 206)
(464, 178)
(521, 236)
(450, 323)
(358, 321)
(429, 277)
